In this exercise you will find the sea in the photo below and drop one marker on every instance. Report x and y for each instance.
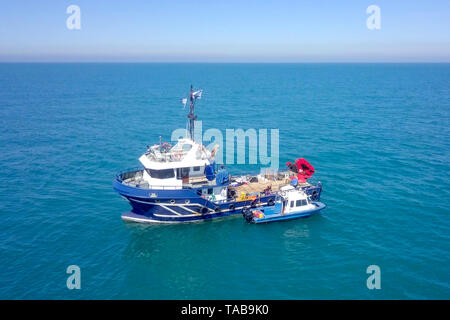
(378, 136)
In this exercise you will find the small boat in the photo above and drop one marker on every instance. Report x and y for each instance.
(292, 202)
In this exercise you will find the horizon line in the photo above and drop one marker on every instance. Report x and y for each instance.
(226, 62)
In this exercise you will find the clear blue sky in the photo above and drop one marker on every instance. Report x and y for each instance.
(225, 31)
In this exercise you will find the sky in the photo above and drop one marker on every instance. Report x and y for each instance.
(224, 31)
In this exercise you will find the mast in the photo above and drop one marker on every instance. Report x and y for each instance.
(191, 116)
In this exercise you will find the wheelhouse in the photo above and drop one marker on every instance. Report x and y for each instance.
(295, 200)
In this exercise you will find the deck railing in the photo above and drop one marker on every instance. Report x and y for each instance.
(131, 172)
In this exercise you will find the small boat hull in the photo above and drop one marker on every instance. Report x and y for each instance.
(288, 216)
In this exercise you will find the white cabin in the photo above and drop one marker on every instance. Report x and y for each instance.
(295, 200)
(172, 166)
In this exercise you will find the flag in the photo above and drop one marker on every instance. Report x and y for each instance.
(184, 101)
(197, 94)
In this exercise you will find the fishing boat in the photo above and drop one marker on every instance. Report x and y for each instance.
(292, 202)
(183, 183)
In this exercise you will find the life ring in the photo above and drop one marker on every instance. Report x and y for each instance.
(314, 195)
(166, 146)
(177, 156)
(204, 210)
(271, 202)
(231, 207)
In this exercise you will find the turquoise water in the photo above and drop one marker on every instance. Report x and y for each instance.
(377, 134)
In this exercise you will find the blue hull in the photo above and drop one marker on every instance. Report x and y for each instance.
(182, 205)
(290, 216)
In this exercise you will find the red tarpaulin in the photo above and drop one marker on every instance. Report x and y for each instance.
(303, 169)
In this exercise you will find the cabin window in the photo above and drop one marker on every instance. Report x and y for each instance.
(187, 147)
(210, 191)
(161, 174)
(298, 203)
(304, 203)
(182, 173)
(292, 204)
(196, 168)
